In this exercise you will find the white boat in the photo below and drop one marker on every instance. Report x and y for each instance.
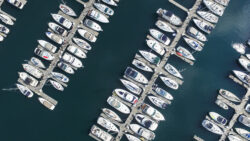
(233, 138)
(141, 65)
(223, 2)
(87, 35)
(172, 70)
(63, 21)
(46, 103)
(229, 95)
(244, 120)
(104, 9)
(239, 47)
(160, 36)
(48, 46)
(36, 62)
(204, 26)
(81, 43)
(208, 16)
(132, 138)
(111, 114)
(125, 95)
(16, 3)
(193, 32)
(56, 85)
(65, 67)
(150, 57)
(163, 93)
(97, 16)
(248, 56)
(101, 134)
(141, 131)
(197, 46)
(25, 91)
(58, 29)
(221, 104)
(212, 127)
(242, 76)
(76, 51)
(152, 112)
(93, 25)
(181, 51)
(214, 7)
(118, 105)
(59, 76)
(32, 70)
(218, 118)
(170, 82)
(75, 62)
(244, 133)
(55, 37)
(107, 124)
(146, 122)
(135, 75)
(67, 10)
(245, 63)
(27, 79)
(131, 86)
(248, 42)
(163, 26)
(158, 102)
(154, 45)
(1, 38)
(247, 108)
(4, 29)
(110, 2)
(6, 19)
(169, 16)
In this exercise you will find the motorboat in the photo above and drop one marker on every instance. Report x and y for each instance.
(65, 67)
(135, 75)
(141, 65)
(223, 2)
(67, 10)
(110, 2)
(107, 124)
(204, 26)
(247, 108)
(93, 25)
(46, 103)
(131, 86)
(118, 105)
(141, 131)
(248, 56)
(163, 93)
(158, 102)
(25, 91)
(172, 70)
(17, 3)
(101, 134)
(59, 76)
(152, 112)
(221, 104)
(37, 62)
(181, 51)
(125, 95)
(27, 79)
(111, 114)
(229, 95)
(63, 21)
(32, 70)
(170, 82)
(245, 78)
(4, 29)
(244, 133)
(75, 62)
(154, 45)
(197, 46)
(150, 57)
(244, 120)
(208, 16)
(169, 16)
(132, 138)
(6, 19)
(76, 51)
(239, 47)
(48, 46)
(97, 16)
(164, 26)
(218, 118)
(87, 35)
(233, 138)
(146, 122)
(245, 63)
(58, 29)
(210, 126)
(81, 43)
(193, 32)
(56, 85)
(214, 7)
(248, 42)
(104, 9)
(59, 40)
(160, 36)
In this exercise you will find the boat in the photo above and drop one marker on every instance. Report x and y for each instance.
(104, 9)
(63, 21)
(140, 65)
(170, 82)
(158, 102)
(229, 95)
(244, 120)
(160, 36)
(87, 35)
(150, 57)
(244, 133)
(132, 138)
(65, 67)
(111, 114)
(17, 3)
(32, 70)
(135, 75)
(48, 46)
(93, 25)
(107, 124)
(239, 47)
(131, 86)
(163, 93)
(214, 7)
(181, 51)
(218, 118)
(152, 112)
(248, 56)
(247, 108)
(81, 43)
(221, 104)
(208, 16)
(169, 16)
(202, 25)
(59, 76)
(193, 32)
(25, 91)
(163, 26)
(27, 79)
(75, 62)
(125, 95)
(172, 70)
(110, 2)
(97, 16)
(193, 44)
(37, 62)
(242, 76)
(248, 42)
(141, 131)
(118, 105)
(6, 19)
(146, 122)
(46, 103)
(76, 51)
(245, 63)
(101, 134)
(223, 2)
(1, 38)
(67, 10)
(4, 29)
(58, 29)
(154, 45)
(212, 127)
(56, 85)
(233, 138)
(55, 37)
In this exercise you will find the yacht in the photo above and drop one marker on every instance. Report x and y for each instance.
(214, 7)
(164, 26)
(208, 16)
(32, 70)
(202, 25)
(17, 3)
(37, 62)
(170, 82)
(48, 46)
(242, 76)
(131, 86)
(163, 93)
(247, 108)
(140, 65)
(4, 29)
(87, 35)
(27, 79)
(58, 29)
(169, 16)
(221, 104)
(111, 114)
(76, 51)
(56, 85)
(228, 95)
(59, 76)
(93, 25)
(135, 75)
(110, 2)
(67, 10)
(245, 63)
(63, 21)
(150, 57)
(233, 138)
(97, 16)
(218, 118)
(158, 102)
(160, 36)
(25, 91)
(239, 47)
(104, 9)
(132, 138)
(181, 51)
(146, 122)
(152, 112)
(212, 127)
(223, 2)
(55, 37)
(172, 70)
(101, 134)
(1, 38)
(244, 133)
(65, 67)
(193, 44)
(193, 32)
(107, 124)
(154, 45)
(141, 131)
(6, 19)
(125, 95)
(75, 62)
(46, 103)
(244, 120)
(81, 43)
(118, 105)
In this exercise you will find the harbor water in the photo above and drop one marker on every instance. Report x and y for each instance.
(81, 102)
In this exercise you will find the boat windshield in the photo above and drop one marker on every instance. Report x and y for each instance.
(131, 73)
(164, 37)
(61, 20)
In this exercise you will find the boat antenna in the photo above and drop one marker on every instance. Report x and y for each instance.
(26, 60)
(63, 2)
(182, 70)
(10, 89)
